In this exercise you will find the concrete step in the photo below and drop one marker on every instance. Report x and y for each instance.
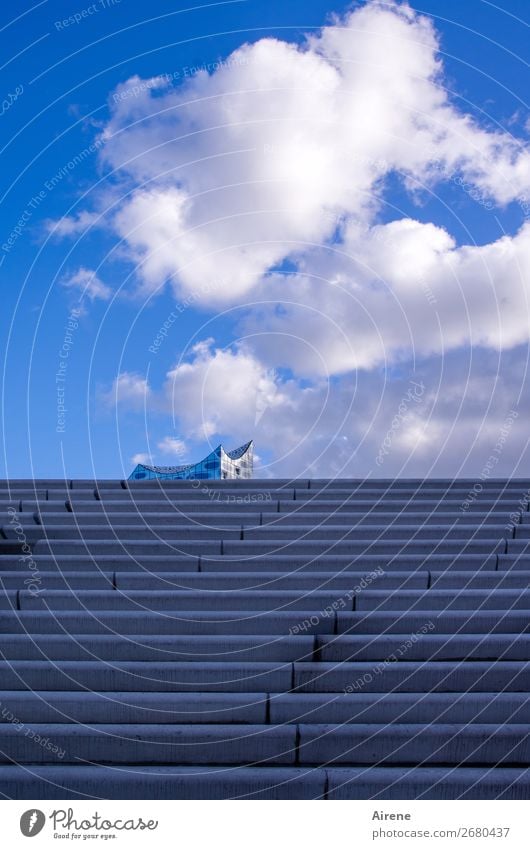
(146, 676)
(165, 600)
(105, 564)
(273, 783)
(281, 503)
(459, 497)
(518, 546)
(480, 580)
(339, 563)
(97, 483)
(252, 518)
(15, 493)
(380, 708)
(258, 548)
(432, 599)
(56, 580)
(261, 599)
(163, 520)
(208, 486)
(413, 677)
(132, 548)
(447, 782)
(509, 562)
(13, 547)
(392, 504)
(147, 744)
(471, 744)
(10, 504)
(378, 518)
(8, 599)
(162, 782)
(422, 484)
(397, 647)
(301, 581)
(120, 647)
(436, 622)
(397, 534)
(184, 622)
(122, 533)
(234, 495)
(75, 506)
(372, 533)
(130, 707)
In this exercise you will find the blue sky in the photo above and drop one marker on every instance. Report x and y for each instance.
(302, 223)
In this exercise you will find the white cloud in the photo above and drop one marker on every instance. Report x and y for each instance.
(73, 225)
(222, 391)
(284, 153)
(88, 284)
(128, 389)
(173, 446)
(390, 292)
(449, 426)
(249, 165)
(143, 458)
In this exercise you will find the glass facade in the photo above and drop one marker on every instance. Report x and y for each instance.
(218, 465)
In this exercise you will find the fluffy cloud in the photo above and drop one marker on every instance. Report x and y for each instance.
(263, 186)
(88, 285)
(392, 291)
(269, 155)
(440, 417)
(220, 391)
(130, 390)
(73, 225)
(173, 446)
(143, 458)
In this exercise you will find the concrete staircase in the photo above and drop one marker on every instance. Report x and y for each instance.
(268, 639)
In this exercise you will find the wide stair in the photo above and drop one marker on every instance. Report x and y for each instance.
(312, 639)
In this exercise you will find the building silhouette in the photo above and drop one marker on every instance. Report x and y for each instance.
(218, 465)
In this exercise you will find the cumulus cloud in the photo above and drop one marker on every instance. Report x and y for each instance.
(263, 186)
(270, 154)
(173, 446)
(143, 458)
(440, 417)
(217, 391)
(86, 282)
(128, 389)
(73, 225)
(392, 291)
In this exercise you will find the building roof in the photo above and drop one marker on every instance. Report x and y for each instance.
(235, 454)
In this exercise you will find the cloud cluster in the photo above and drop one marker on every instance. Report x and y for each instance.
(440, 417)
(234, 172)
(264, 185)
